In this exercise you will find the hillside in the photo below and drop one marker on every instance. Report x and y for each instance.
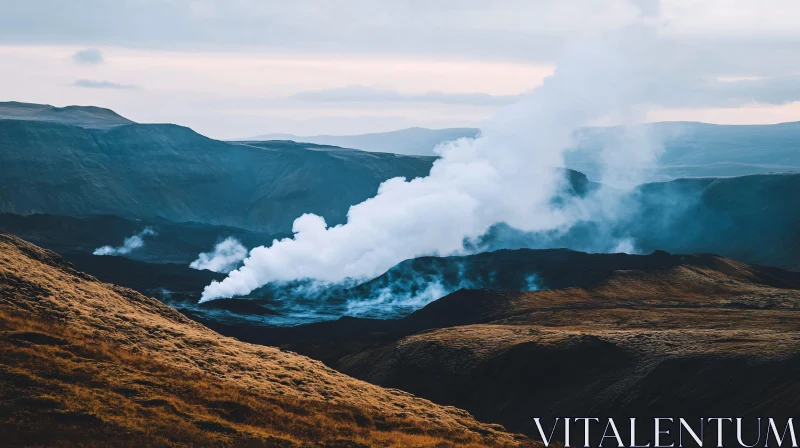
(90, 363)
(83, 116)
(618, 335)
(143, 171)
(172, 242)
(411, 141)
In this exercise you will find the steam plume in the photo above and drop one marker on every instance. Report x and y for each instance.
(129, 244)
(506, 175)
(224, 258)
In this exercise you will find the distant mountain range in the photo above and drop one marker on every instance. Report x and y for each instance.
(411, 141)
(699, 149)
(690, 149)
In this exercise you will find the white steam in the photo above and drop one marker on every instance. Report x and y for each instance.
(225, 257)
(507, 175)
(129, 244)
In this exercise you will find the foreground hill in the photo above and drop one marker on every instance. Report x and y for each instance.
(147, 170)
(645, 336)
(89, 363)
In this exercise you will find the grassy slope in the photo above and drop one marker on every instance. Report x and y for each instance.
(88, 363)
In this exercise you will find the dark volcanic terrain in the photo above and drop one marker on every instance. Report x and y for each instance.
(657, 335)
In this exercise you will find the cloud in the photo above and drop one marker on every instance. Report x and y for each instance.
(363, 94)
(717, 35)
(225, 257)
(130, 244)
(89, 56)
(92, 84)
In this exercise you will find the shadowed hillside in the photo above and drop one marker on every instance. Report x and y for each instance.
(171, 243)
(93, 364)
(149, 170)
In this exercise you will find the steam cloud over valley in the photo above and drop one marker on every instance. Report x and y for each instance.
(509, 174)
(225, 257)
(130, 244)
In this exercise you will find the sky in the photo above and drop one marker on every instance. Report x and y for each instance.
(240, 68)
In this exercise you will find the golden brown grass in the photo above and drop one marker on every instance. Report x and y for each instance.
(86, 363)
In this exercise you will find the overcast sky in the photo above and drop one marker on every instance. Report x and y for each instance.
(237, 68)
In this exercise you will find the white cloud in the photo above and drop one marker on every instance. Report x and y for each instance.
(92, 84)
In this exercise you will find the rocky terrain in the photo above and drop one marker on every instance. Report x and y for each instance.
(92, 363)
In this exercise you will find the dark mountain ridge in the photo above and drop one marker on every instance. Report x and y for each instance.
(83, 116)
(143, 171)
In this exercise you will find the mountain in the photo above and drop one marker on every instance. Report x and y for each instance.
(169, 171)
(699, 149)
(84, 116)
(92, 364)
(411, 141)
(616, 336)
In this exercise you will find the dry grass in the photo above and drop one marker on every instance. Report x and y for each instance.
(85, 363)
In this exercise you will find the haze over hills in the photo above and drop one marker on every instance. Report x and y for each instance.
(411, 141)
(748, 218)
(700, 149)
(97, 364)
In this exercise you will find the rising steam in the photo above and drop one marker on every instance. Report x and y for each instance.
(509, 174)
(129, 244)
(225, 257)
